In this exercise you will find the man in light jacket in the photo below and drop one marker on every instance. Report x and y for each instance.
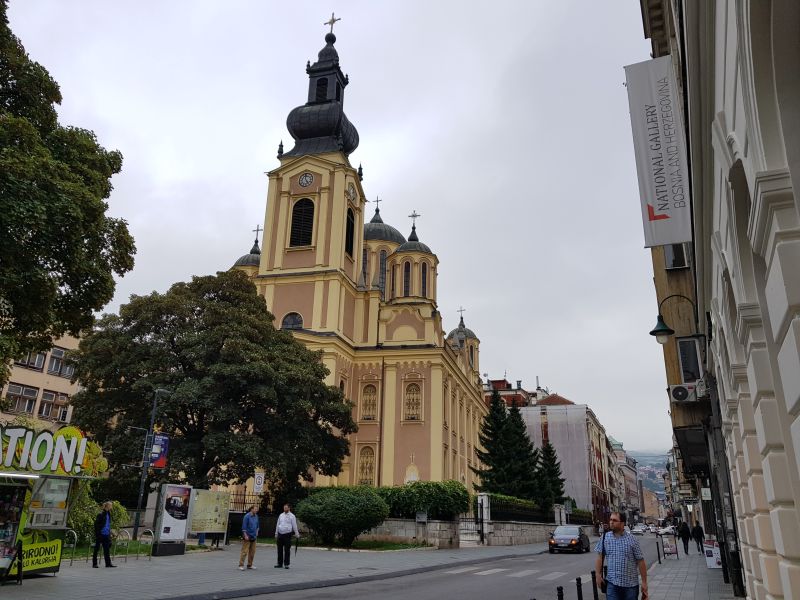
(286, 526)
(249, 537)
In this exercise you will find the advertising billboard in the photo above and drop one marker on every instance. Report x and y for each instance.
(173, 512)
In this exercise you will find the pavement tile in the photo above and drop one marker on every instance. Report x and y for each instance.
(687, 579)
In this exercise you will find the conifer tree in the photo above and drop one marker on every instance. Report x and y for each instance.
(550, 483)
(510, 459)
(492, 456)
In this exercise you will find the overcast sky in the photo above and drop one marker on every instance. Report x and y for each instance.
(505, 124)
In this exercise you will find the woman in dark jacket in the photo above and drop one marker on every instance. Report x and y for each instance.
(698, 535)
(685, 535)
(102, 535)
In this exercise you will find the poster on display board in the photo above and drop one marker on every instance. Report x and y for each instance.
(209, 511)
(711, 550)
(173, 512)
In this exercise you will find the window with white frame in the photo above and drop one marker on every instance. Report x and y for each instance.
(22, 398)
(676, 256)
(47, 404)
(689, 356)
(58, 365)
(63, 413)
(32, 360)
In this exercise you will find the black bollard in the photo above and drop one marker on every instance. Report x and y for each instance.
(579, 586)
(658, 551)
(594, 585)
(560, 593)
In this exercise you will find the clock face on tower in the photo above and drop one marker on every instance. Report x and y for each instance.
(306, 179)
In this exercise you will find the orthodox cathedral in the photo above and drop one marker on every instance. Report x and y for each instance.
(365, 296)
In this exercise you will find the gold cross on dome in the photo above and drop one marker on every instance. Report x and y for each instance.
(413, 216)
(461, 310)
(257, 230)
(377, 202)
(331, 22)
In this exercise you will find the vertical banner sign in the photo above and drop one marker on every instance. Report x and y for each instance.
(660, 149)
(158, 452)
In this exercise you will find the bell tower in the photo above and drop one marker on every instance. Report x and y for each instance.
(314, 223)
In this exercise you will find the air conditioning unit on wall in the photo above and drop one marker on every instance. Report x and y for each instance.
(684, 392)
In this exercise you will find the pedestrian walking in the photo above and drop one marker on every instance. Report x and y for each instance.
(621, 553)
(284, 528)
(102, 535)
(249, 537)
(698, 535)
(685, 535)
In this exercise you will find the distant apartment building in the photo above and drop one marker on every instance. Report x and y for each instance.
(509, 393)
(630, 501)
(39, 386)
(581, 445)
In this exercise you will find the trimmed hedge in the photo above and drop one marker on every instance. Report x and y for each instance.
(513, 501)
(442, 500)
(342, 513)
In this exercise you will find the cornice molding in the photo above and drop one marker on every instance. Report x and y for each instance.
(772, 192)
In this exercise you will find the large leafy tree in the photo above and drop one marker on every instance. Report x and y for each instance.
(509, 459)
(59, 249)
(242, 394)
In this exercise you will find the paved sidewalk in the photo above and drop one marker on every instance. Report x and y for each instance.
(214, 575)
(687, 578)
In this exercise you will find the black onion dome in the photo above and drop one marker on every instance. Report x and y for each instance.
(376, 229)
(413, 244)
(250, 260)
(321, 125)
(461, 333)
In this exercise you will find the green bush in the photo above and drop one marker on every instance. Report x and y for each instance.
(342, 513)
(515, 502)
(83, 510)
(443, 500)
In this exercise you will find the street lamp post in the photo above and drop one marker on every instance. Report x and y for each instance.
(148, 445)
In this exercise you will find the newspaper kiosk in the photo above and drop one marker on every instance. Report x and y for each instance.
(38, 471)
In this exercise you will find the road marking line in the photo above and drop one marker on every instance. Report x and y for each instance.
(462, 570)
(586, 577)
(551, 576)
(524, 573)
(489, 572)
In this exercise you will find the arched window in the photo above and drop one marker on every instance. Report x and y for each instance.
(424, 280)
(322, 89)
(406, 279)
(292, 321)
(382, 275)
(413, 402)
(472, 356)
(369, 403)
(341, 385)
(366, 466)
(302, 223)
(393, 288)
(349, 231)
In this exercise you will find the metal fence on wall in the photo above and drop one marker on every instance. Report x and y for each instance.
(504, 510)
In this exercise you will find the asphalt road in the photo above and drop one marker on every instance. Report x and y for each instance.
(524, 578)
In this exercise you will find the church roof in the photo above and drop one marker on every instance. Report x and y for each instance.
(413, 244)
(320, 125)
(376, 229)
(250, 260)
(461, 333)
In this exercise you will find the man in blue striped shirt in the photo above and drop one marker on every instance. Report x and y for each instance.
(623, 558)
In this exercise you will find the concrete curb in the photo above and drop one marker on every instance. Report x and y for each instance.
(310, 585)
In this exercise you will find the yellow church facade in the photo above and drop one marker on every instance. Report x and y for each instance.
(365, 296)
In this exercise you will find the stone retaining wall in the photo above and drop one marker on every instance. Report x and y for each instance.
(440, 534)
(514, 533)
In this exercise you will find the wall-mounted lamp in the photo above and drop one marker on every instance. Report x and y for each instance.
(662, 331)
